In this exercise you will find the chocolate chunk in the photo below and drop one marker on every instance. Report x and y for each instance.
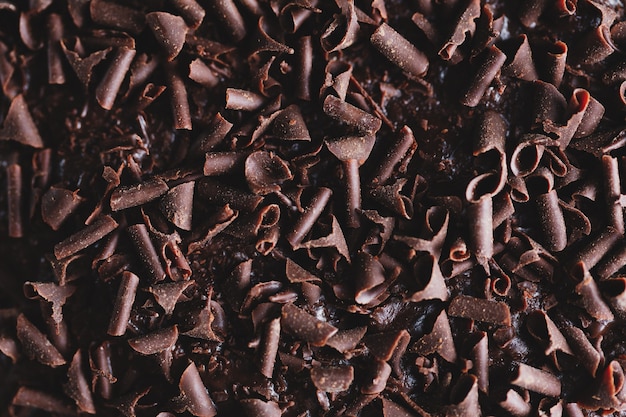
(304, 326)
(478, 309)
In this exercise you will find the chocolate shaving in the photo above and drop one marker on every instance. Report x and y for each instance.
(304, 56)
(111, 14)
(14, 197)
(335, 239)
(269, 347)
(305, 327)
(521, 64)
(554, 61)
(391, 197)
(479, 309)
(400, 150)
(542, 328)
(536, 380)
(490, 63)
(77, 386)
(193, 394)
(515, 404)
(58, 204)
(345, 341)
(137, 194)
(32, 398)
(591, 298)
(203, 74)
(109, 86)
(153, 343)
(600, 245)
(177, 205)
(594, 47)
(345, 112)
(36, 345)
(399, 51)
(85, 237)
(168, 294)
(332, 378)
(19, 126)
(605, 389)
(342, 30)
(191, 11)
(377, 378)
(265, 172)
(229, 17)
(289, 125)
(309, 216)
(434, 287)
(588, 356)
(370, 278)
(138, 233)
(465, 27)
(123, 304)
(179, 100)
(464, 397)
(439, 340)
(54, 294)
(169, 30)
(481, 227)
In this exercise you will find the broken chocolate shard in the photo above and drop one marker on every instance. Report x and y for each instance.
(56, 295)
(169, 30)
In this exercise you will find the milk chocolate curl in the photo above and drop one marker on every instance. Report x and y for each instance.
(309, 216)
(488, 67)
(536, 380)
(427, 271)
(28, 397)
(269, 347)
(177, 205)
(265, 172)
(14, 199)
(85, 237)
(479, 309)
(530, 11)
(58, 204)
(521, 64)
(370, 277)
(332, 378)
(542, 328)
(289, 125)
(480, 215)
(590, 296)
(399, 51)
(613, 192)
(155, 342)
(169, 31)
(586, 353)
(215, 134)
(599, 246)
(342, 30)
(226, 12)
(353, 151)
(465, 27)
(19, 125)
(56, 75)
(179, 101)
(304, 326)
(554, 63)
(77, 386)
(464, 397)
(145, 249)
(123, 304)
(401, 149)
(245, 100)
(344, 112)
(551, 218)
(219, 194)
(304, 67)
(36, 344)
(254, 407)
(203, 74)
(595, 46)
(439, 340)
(109, 86)
(111, 14)
(194, 395)
(137, 194)
(515, 404)
(190, 10)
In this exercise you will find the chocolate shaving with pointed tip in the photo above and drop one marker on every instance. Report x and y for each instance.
(57, 204)
(77, 386)
(36, 345)
(177, 205)
(156, 342)
(439, 340)
(19, 126)
(169, 30)
(465, 27)
(265, 172)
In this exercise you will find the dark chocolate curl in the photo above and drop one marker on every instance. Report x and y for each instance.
(521, 65)
(179, 101)
(137, 194)
(347, 113)
(515, 404)
(194, 395)
(237, 99)
(145, 249)
(332, 378)
(56, 75)
(334, 239)
(289, 125)
(85, 237)
(258, 408)
(551, 218)
(479, 355)
(31, 398)
(215, 134)
(167, 294)
(378, 374)
(399, 51)
(554, 63)
(337, 79)
(604, 394)
(19, 125)
(594, 110)
(439, 340)
(269, 347)
(464, 397)
(537, 380)
(57, 205)
(530, 11)
(304, 326)
(586, 353)
(152, 343)
(265, 172)
(77, 386)
(309, 216)
(612, 183)
(14, 197)
(595, 46)
(488, 67)
(480, 214)
(203, 74)
(304, 56)
(169, 30)
(190, 10)
(55, 294)
(102, 370)
(465, 27)
(370, 277)
(402, 148)
(479, 309)
(591, 298)
(108, 13)
(346, 340)
(428, 273)
(391, 197)
(109, 86)
(542, 328)
(36, 344)
(219, 194)
(123, 304)
(342, 30)
(229, 18)
(599, 246)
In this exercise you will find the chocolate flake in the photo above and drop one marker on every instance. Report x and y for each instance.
(152, 343)
(177, 205)
(439, 340)
(57, 204)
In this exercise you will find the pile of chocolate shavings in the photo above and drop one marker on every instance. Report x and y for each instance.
(294, 208)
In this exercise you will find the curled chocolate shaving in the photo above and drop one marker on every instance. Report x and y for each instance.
(265, 172)
(169, 30)
(85, 237)
(82, 65)
(309, 216)
(220, 194)
(139, 235)
(109, 86)
(179, 100)
(347, 113)
(108, 13)
(536, 380)
(191, 11)
(58, 204)
(152, 343)
(269, 347)
(203, 74)
(370, 278)
(400, 150)
(36, 345)
(306, 327)
(521, 64)
(399, 51)
(490, 63)
(177, 205)
(434, 286)
(464, 397)
(606, 389)
(334, 239)
(332, 378)
(591, 298)
(342, 30)
(56, 74)
(14, 197)
(217, 131)
(168, 294)
(554, 61)
(479, 355)
(193, 394)
(337, 79)
(19, 125)
(377, 380)
(595, 46)
(289, 125)
(479, 309)
(245, 100)
(77, 386)
(531, 11)
(254, 407)
(542, 328)
(465, 27)
(123, 304)
(588, 356)
(32, 398)
(551, 219)
(304, 56)
(515, 404)
(345, 341)
(481, 226)
(439, 340)
(597, 248)
(56, 295)
(229, 17)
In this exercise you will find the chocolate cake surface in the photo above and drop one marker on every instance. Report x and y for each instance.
(312, 208)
